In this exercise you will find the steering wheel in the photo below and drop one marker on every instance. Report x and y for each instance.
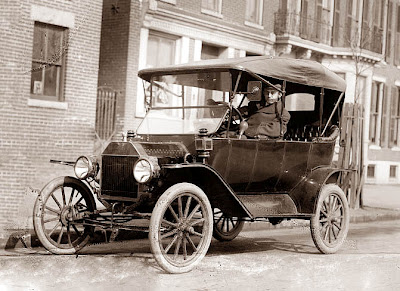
(232, 126)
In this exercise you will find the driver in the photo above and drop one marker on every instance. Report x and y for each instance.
(269, 121)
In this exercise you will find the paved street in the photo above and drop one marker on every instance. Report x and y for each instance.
(256, 260)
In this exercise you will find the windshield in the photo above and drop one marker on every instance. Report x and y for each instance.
(185, 103)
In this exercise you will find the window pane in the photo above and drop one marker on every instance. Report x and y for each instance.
(36, 79)
(39, 43)
(54, 38)
(50, 81)
(371, 171)
(393, 171)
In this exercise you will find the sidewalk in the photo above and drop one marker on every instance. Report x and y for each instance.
(381, 202)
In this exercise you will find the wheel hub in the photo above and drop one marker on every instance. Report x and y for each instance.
(67, 215)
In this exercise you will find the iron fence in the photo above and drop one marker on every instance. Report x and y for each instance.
(105, 112)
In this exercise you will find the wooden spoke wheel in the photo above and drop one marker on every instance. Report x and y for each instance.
(181, 228)
(226, 228)
(57, 215)
(330, 223)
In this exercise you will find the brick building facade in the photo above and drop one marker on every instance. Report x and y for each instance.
(49, 55)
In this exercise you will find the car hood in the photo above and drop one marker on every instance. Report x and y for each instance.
(153, 149)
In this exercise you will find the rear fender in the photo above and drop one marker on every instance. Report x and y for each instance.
(219, 193)
(305, 194)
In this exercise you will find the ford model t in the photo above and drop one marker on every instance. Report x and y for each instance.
(193, 172)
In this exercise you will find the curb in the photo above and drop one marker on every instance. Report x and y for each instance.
(26, 238)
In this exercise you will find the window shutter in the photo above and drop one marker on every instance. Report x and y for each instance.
(384, 119)
(336, 25)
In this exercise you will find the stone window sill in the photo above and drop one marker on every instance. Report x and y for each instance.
(47, 104)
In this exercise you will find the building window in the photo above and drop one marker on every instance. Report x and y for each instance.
(393, 171)
(160, 52)
(371, 171)
(395, 118)
(48, 61)
(254, 11)
(375, 117)
(212, 7)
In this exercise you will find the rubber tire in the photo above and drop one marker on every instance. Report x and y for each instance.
(37, 213)
(162, 204)
(217, 234)
(325, 191)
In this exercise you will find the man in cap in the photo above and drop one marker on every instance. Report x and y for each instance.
(270, 119)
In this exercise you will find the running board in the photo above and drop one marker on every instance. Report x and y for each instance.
(267, 205)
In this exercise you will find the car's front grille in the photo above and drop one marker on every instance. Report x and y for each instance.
(117, 176)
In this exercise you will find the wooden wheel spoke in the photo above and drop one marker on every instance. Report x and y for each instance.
(171, 243)
(169, 223)
(191, 242)
(63, 196)
(325, 206)
(333, 206)
(71, 197)
(197, 233)
(79, 201)
(54, 228)
(219, 219)
(333, 232)
(51, 219)
(193, 211)
(53, 210)
(323, 220)
(233, 222)
(56, 201)
(172, 232)
(326, 227)
(180, 210)
(76, 230)
(338, 207)
(184, 248)
(324, 213)
(60, 235)
(189, 200)
(227, 225)
(173, 213)
(197, 221)
(337, 225)
(177, 247)
(69, 236)
(217, 212)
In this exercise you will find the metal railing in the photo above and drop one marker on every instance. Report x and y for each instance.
(105, 112)
(304, 27)
(323, 32)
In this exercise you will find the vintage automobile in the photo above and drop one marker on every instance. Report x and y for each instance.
(190, 171)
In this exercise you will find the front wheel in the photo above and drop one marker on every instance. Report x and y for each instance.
(57, 212)
(330, 223)
(181, 228)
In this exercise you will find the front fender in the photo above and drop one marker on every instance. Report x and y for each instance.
(305, 194)
(218, 191)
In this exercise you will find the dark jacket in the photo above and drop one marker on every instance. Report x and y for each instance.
(266, 122)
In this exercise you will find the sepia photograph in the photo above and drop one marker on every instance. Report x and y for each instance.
(199, 145)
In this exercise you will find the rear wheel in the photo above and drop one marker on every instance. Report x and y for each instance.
(181, 228)
(226, 228)
(56, 215)
(330, 223)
